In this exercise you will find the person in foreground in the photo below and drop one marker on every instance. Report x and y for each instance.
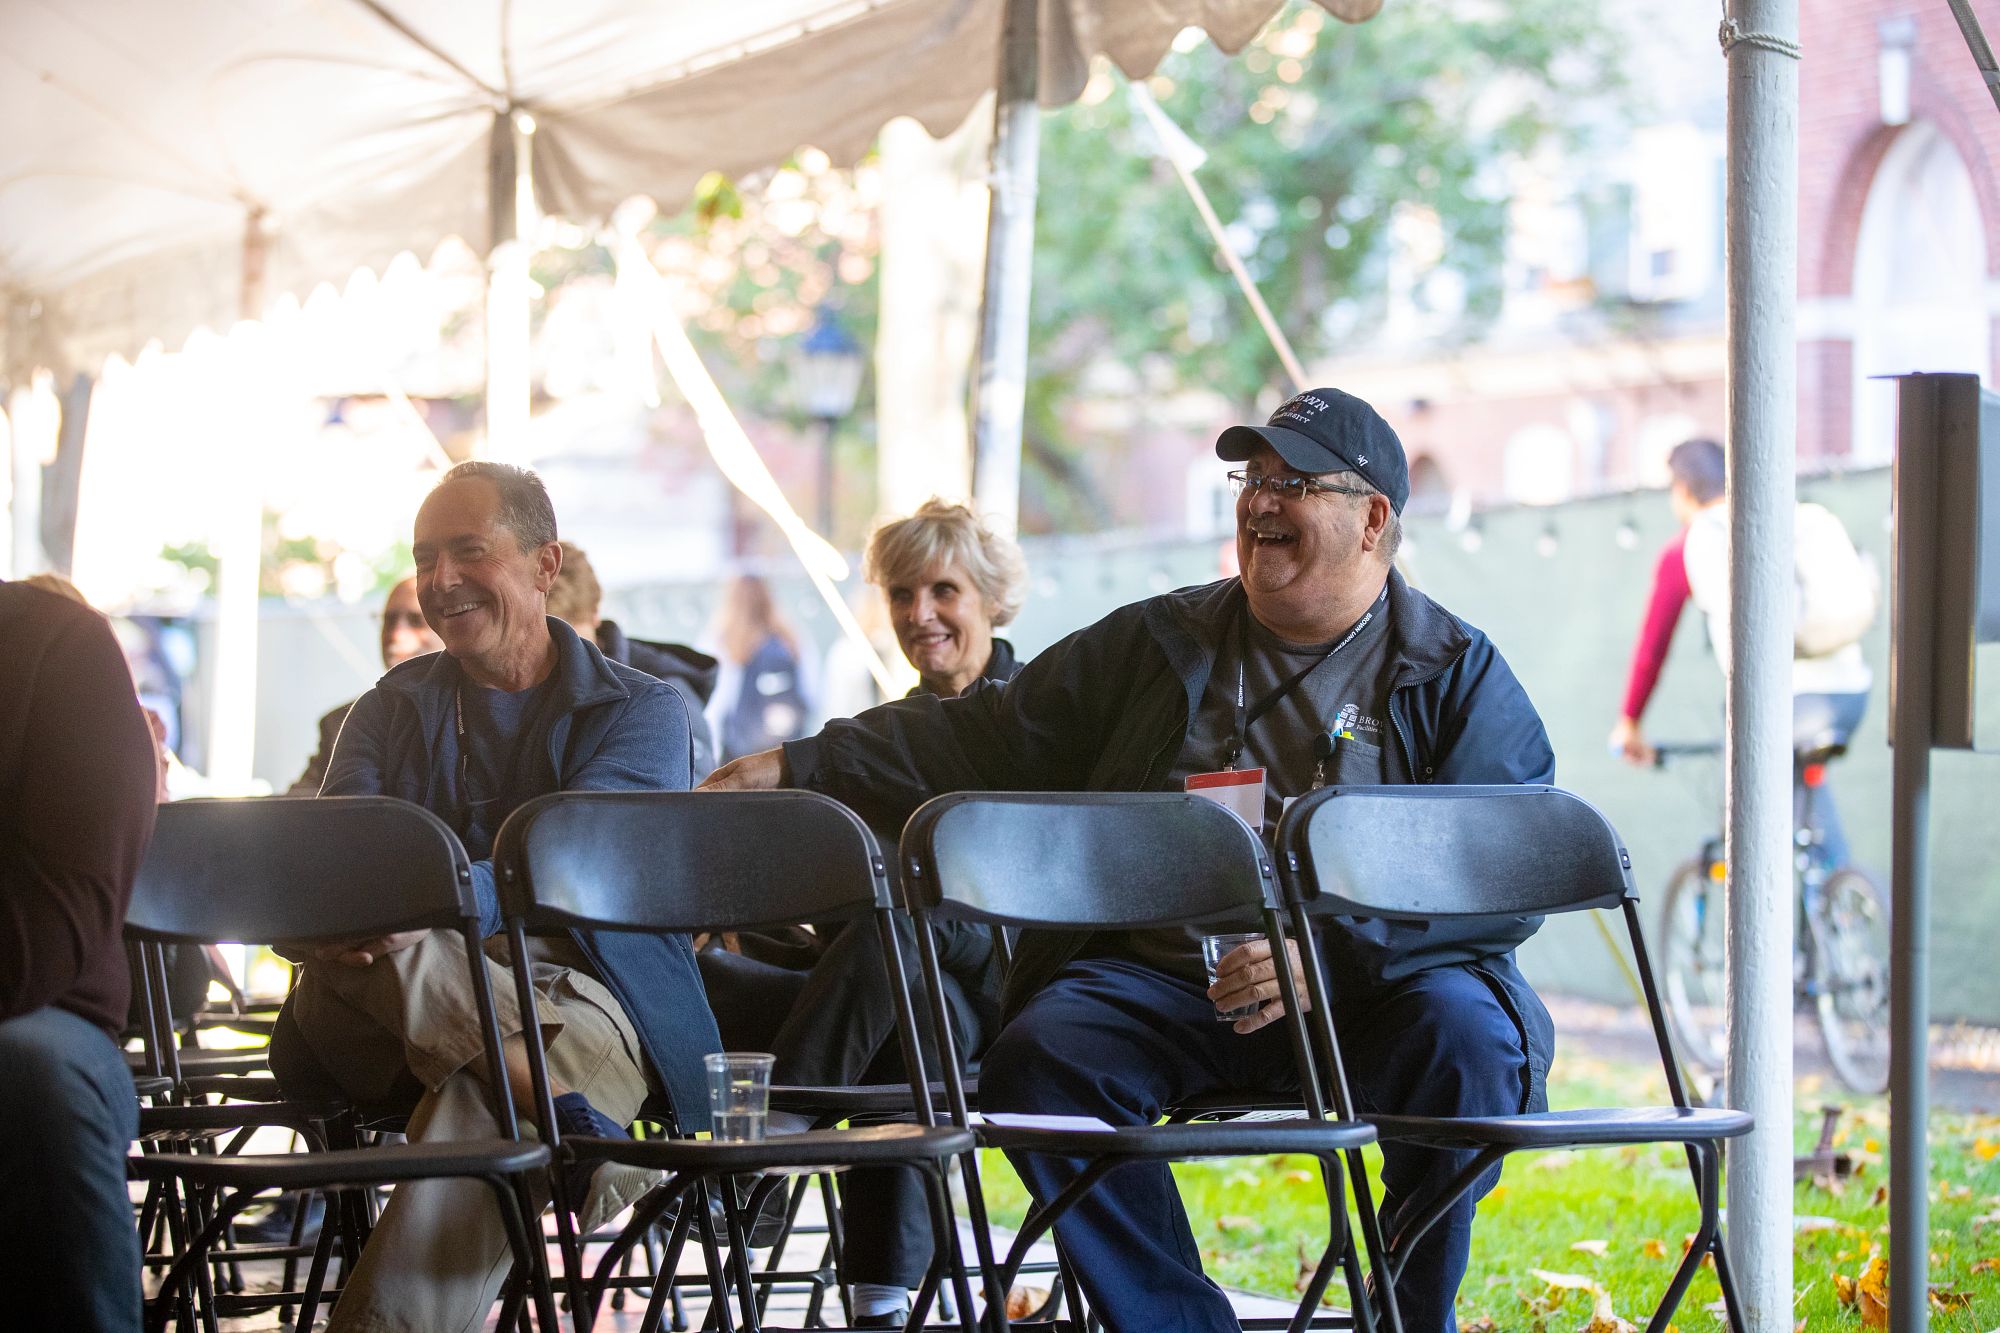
(77, 782)
(515, 706)
(404, 635)
(830, 1015)
(1320, 637)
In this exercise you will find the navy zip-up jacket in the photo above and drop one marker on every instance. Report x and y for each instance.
(612, 729)
(1108, 709)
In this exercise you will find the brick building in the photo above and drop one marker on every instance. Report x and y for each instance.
(1611, 347)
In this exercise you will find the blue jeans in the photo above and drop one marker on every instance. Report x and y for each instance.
(69, 1248)
(1120, 1041)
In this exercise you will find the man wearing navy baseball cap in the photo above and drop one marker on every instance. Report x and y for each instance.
(1319, 665)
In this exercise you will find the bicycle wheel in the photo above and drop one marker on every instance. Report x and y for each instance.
(1692, 920)
(1850, 981)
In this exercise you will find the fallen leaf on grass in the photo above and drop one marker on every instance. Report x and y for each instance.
(1871, 1293)
(1483, 1324)
(1843, 1287)
(1566, 1281)
(1654, 1249)
(1881, 1196)
(1594, 1248)
(1807, 1222)
(1235, 1222)
(1603, 1319)
(1024, 1301)
(1986, 1149)
(1942, 1299)
(1986, 1219)
(1987, 1266)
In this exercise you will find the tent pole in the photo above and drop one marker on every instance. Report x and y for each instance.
(239, 545)
(510, 204)
(1759, 39)
(1001, 391)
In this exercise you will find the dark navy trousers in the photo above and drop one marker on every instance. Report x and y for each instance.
(1121, 1041)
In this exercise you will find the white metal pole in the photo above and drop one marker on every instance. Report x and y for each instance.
(1759, 38)
(509, 289)
(1001, 393)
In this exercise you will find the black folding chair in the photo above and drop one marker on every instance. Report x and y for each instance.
(1127, 861)
(681, 861)
(305, 870)
(1422, 853)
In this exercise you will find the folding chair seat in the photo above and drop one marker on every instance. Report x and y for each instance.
(306, 870)
(1117, 862)
(1424, 853)
(687, 861)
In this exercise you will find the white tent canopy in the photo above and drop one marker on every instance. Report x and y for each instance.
(168, 166)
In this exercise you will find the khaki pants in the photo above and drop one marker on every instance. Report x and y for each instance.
(437, 1259)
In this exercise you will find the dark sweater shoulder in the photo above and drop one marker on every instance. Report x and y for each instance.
(77, 788)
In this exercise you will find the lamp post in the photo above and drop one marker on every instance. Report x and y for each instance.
(827, 366)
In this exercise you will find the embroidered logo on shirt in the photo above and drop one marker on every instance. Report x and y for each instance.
(1353, 724)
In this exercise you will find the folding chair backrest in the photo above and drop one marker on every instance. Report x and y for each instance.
(1427, 852)
(686, 861)
(277, 868)
(1099, 860)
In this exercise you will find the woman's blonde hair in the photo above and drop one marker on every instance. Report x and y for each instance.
(576, 594)
(942, 533)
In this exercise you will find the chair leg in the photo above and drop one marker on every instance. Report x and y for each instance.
(1339, 1249)
(982, 1241)
(1708, 1180)
(1385, 1307)
(665, 1293)
(718, 1278)
(316, 1272)
(510, 1195)
(1731, 1306)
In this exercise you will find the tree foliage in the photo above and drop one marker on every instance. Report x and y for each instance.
(1319, 137)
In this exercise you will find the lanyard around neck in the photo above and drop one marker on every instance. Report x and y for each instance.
(1247, 713)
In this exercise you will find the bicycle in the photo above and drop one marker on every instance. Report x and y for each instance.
(1840, 960)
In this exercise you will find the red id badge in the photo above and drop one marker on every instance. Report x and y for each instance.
(1238, 789)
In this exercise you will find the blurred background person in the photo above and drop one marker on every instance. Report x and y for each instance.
(821, 1001)
(577, 599)
(761, 695)
(404, 635)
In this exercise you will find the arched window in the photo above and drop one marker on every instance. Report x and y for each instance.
(1920, 286)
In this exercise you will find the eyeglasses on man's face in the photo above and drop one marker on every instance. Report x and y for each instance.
(1287, 488)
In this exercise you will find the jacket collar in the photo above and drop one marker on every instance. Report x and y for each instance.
(1189, 624)
(1001, 664)
(582, 678)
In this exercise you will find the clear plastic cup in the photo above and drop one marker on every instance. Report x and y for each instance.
(739, 1095)
(1215, 948)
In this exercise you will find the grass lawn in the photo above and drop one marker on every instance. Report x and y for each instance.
(1617, 1218)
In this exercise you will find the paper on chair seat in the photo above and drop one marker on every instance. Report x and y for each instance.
(1023, 1120)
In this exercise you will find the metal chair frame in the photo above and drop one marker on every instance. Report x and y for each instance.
(990, 857)
(300, 870)
(680, 862)
(1425, 852)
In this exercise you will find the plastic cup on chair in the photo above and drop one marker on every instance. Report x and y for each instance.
(739, 1095)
